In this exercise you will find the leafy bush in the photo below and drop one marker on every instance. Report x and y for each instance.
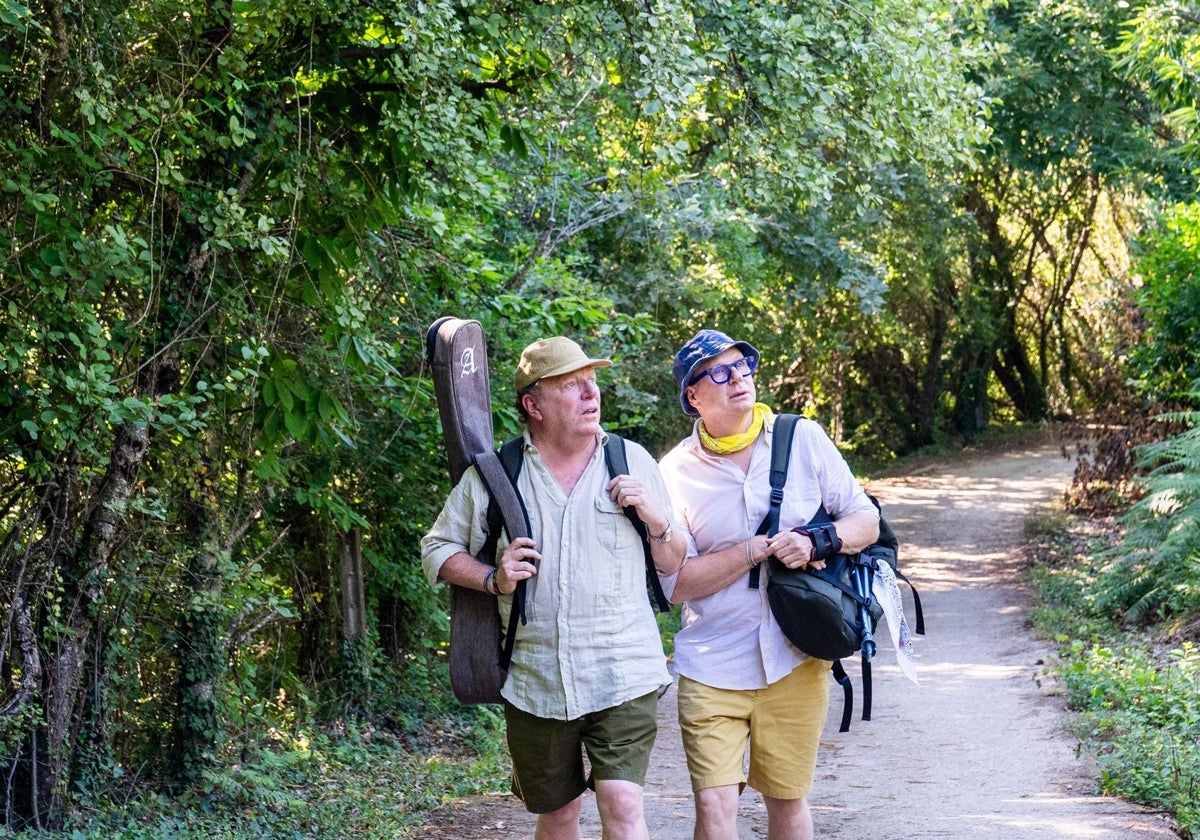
(1144, 712)
(1154, 572)
(1138, 698)
(1168, 363)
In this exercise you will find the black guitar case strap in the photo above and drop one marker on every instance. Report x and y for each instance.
(506, 506)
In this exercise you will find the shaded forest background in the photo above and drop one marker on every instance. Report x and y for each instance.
(225, 228)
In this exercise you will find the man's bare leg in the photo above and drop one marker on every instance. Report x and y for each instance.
(622, 810)
(788, 819)
(716, 813)
(562, 824)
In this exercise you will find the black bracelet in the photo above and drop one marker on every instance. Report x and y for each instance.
(487, 583)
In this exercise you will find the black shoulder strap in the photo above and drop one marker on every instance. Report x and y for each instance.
(504, 507)
(781, 450)
(618, 464)
(843, 679)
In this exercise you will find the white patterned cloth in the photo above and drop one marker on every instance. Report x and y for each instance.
(887, 593)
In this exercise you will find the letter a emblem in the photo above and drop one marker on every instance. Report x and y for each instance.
(467, 360)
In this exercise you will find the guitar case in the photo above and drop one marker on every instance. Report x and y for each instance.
(457, 354)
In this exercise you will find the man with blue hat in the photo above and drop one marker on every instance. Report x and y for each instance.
(741, 682)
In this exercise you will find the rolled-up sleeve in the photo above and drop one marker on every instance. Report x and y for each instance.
(459, 527)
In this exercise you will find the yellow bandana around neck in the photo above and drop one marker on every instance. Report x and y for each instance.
(734, 443)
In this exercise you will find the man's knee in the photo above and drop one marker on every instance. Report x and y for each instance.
(621, 807)
(619, 793)
(789, 818)
(560, 824)
(716, 811)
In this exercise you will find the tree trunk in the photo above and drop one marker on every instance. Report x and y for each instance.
(931, 386)
(84, 576)
(354, 599)
(357, 646)
(31, 664)
(198, 730)
(199, 640)
(1020, 379)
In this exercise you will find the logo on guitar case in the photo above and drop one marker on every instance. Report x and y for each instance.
(467, 361)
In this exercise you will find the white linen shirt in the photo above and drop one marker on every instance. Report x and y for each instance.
(592, 640)
(730, 639)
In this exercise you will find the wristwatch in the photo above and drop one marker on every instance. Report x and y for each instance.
(663, 538)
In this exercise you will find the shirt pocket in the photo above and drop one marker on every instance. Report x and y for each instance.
(612, 558)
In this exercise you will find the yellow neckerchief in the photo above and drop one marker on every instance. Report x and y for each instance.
(734, 443)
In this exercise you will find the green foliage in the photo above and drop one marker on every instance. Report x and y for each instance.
(1137, 700)
(1154, 572)
(1161, 47)
(1167, 363)
(1142, 711)
(1063, 569)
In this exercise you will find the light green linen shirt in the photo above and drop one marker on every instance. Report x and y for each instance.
(591, 641)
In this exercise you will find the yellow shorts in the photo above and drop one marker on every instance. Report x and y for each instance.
(782, 724)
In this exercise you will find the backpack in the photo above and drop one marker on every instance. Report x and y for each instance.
(829, 613)
(511, 457)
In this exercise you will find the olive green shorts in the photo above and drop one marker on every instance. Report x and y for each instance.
(547, 754)
(782, 724)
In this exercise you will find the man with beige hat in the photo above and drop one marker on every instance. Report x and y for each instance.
(588, 665)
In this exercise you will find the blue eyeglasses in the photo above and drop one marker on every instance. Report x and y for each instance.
(720, 374)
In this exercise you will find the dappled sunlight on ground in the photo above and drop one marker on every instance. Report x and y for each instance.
(935, 671)
(942, 570)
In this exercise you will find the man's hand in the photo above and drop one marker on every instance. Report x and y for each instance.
(793, 550)
(518, 563)
(628, 491)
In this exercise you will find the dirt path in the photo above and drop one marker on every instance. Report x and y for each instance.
(977, 749)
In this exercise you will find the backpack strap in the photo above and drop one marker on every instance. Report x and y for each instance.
(618, 464)
(843, 679)
(781, 450)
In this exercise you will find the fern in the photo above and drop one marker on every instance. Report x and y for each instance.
(1154, 571)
